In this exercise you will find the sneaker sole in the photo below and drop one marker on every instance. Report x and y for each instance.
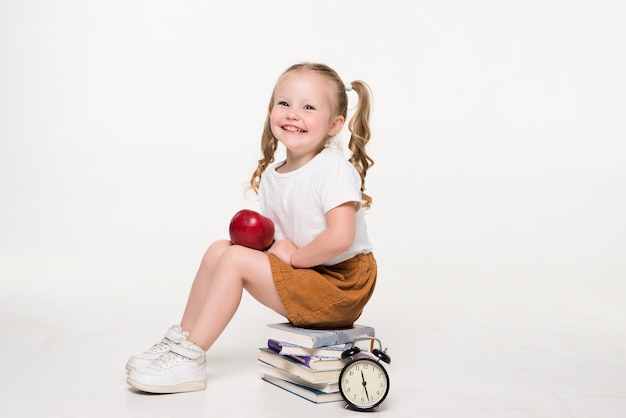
(182, 387)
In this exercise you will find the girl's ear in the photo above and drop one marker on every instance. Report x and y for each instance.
(336, 126)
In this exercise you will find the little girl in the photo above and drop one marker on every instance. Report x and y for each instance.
(320, 271)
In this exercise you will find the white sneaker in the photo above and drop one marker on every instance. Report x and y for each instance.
(181, 369)
(173, 334)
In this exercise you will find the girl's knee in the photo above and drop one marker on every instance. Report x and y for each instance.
(241, 260)
(215, 250)
(220, 245)
(234, 252)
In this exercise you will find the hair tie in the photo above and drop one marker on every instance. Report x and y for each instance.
(348, 86)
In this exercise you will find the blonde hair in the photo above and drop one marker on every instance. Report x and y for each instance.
(358, 126)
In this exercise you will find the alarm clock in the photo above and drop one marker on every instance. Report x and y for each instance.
(363, 381)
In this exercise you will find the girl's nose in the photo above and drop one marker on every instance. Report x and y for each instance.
(293, 115)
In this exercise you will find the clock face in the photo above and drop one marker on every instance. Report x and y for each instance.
(364, 383)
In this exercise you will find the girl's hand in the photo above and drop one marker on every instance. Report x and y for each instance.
(283, 249)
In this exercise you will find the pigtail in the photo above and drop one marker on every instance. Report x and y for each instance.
(269, 144)
(360, 135)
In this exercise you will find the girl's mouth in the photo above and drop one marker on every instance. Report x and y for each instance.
(291, 128)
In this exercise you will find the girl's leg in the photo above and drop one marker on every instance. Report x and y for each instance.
(214, 297)
(199, 288)
(197, 295)
(218, 287)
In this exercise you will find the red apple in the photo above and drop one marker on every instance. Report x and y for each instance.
(252, 230)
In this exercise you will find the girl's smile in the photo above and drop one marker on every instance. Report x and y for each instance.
(293, 129)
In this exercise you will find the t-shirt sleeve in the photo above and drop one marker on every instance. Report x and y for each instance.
(340, 183)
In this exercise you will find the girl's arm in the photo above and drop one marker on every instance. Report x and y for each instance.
(333, 241)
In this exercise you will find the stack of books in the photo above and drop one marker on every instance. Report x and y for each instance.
(307, 362)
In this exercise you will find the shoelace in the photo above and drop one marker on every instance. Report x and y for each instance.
(167, 360)
(160, 347)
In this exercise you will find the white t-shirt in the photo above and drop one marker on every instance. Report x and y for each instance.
(297, 201)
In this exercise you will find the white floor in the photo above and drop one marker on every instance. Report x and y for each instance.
(461, 345)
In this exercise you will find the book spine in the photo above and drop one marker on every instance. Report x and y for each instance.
(274, 345)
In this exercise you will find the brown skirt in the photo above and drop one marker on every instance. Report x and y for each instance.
(325, 296)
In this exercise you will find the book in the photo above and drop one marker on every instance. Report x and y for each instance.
(288, 349)
(320, 363)
(313, 338)
(305, 392)
(296, 368)
(326, 387)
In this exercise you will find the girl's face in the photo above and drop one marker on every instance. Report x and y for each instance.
(303, 115)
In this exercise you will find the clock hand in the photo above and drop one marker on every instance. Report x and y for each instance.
(365, 386)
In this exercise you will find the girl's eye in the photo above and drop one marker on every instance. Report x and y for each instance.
(309, 107)
(283, 104)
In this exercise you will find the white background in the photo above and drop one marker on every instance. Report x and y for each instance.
(129, 130)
